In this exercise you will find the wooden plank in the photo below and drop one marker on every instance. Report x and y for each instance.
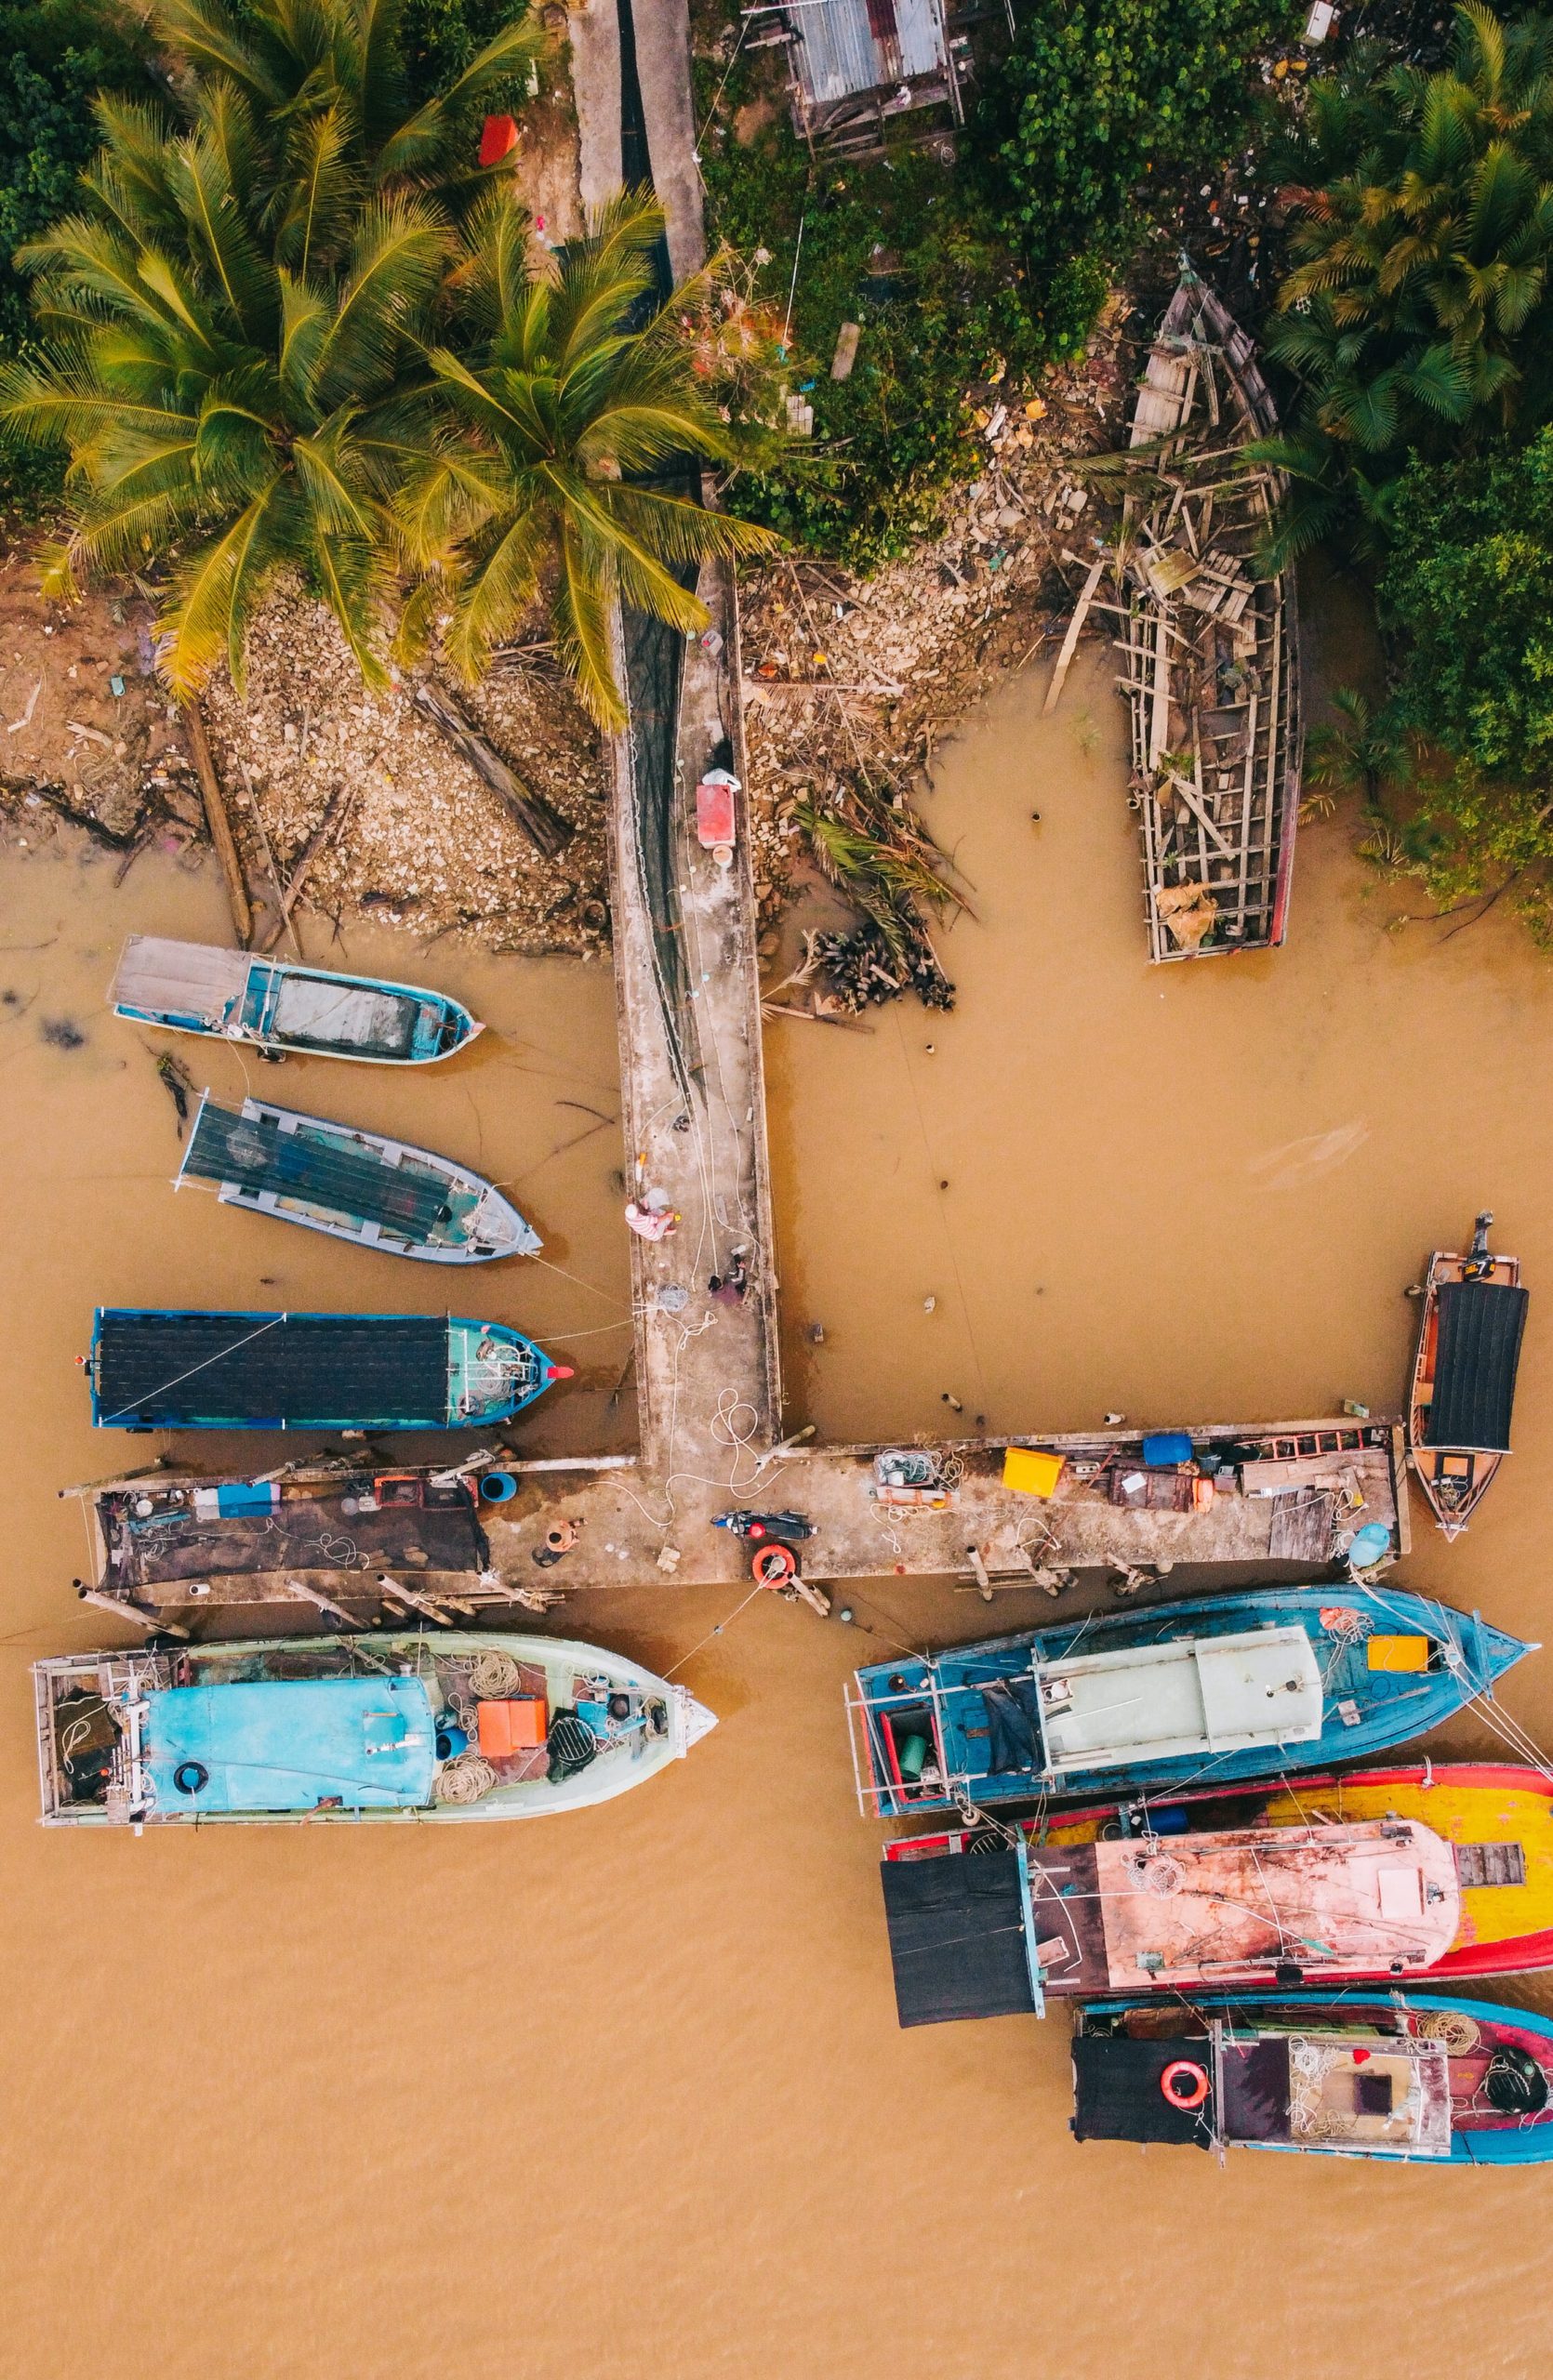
(1075, 628)
(219, 824)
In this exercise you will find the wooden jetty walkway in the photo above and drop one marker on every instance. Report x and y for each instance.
(358, 1537)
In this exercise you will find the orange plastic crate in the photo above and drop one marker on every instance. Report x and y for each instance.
(507, 1728)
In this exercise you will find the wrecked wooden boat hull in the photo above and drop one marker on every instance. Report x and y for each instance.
(162, 1368)
(450, 1726)
(1462, 1391)
(1212, 650)
(1242, 1684)
(1426, 2077)
(304, 1011)
(366, 1188)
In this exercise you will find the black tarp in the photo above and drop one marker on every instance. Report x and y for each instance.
(250, 1369)
(1117, 2094)
(957, 1937)
(253, 1152)
(1478, 1349)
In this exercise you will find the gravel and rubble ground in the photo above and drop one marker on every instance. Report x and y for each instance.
(426, 844)
(849, 679)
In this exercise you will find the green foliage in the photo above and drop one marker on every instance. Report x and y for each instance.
(556, 436)
(1108, 101)
(234, 320)
(1472, 580)
(1416, 311)
(905, 248)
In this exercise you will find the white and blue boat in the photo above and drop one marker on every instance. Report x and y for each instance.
(157, 1368)
(1234, 1685)
(362, 1186)
(231, 995)
(463, 1727)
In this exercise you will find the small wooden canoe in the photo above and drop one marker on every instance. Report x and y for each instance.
(1424, 2077)
(198, 987)
(1437, 1872)
(361, 1187)
(1464, 1371)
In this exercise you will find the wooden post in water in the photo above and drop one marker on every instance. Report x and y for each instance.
(219, 824)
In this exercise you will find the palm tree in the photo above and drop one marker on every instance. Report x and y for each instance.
(567, 441)
(236, 323)
(1422, 238)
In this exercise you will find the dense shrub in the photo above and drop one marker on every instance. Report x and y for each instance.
(1105, 99)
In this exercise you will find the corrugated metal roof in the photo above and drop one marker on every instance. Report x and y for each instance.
(839, 51)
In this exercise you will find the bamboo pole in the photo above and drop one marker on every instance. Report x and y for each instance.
(275, 873)
(219, 824)
(124, 1609)
(330, 1610)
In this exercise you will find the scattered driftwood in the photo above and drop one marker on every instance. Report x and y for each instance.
(547, 830)
(219, 824)
(51, 797)
(318, 842)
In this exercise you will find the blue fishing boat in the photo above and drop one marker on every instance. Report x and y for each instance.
(461, 1727)
(199, 987)
(1235, 1686)
(1357, 2073)
(154, 1369)
(362, 1186)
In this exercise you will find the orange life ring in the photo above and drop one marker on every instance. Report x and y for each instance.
(774, 1565)
(1183, 2085)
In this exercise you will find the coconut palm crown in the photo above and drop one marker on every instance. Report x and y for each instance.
(571, 421)
(1422, 235)
(235, 322)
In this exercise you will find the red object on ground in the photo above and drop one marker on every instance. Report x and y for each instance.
(774, 1565)
(498, 138)
(507, 1728)
(714, 814)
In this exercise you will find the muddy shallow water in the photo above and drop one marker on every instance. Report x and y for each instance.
(625, 2094)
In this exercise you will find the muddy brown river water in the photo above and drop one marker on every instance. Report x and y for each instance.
(625, 2094)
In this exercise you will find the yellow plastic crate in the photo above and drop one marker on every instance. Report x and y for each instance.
(1399, 1652)
(1030, 1472)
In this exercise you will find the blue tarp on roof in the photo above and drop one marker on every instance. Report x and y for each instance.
(291, 1743)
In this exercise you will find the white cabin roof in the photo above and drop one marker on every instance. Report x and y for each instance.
(1180, 1700)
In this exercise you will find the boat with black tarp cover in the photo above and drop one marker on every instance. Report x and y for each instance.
(1464, 1375)
(155, 1368)
(362, 1186)
(1359, 2073)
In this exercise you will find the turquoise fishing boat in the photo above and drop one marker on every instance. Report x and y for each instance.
(1357, 2073)
(362, 1186)
(460, 1728)
(199, 987)
(1235, 1686)
(157, 1369)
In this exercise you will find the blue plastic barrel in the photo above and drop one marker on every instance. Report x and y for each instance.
(497, 1487)
(1162, 1449)
(1371, 1545)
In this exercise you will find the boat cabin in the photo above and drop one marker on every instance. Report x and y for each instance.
(1375, 2094)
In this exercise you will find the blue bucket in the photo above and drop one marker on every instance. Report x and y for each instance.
(497, 1487)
